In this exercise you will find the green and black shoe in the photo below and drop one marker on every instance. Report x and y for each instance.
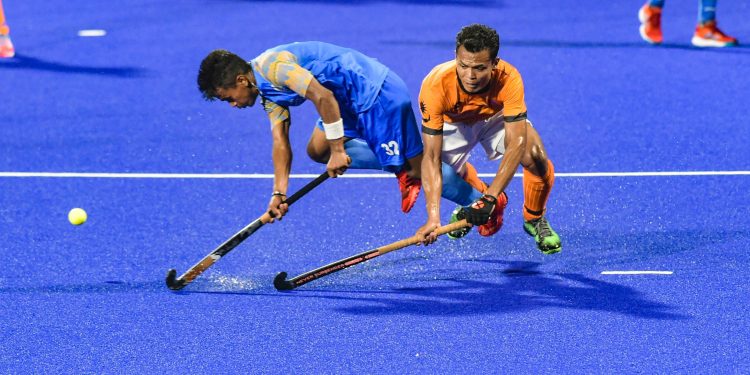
(546, 238)
(458, 215)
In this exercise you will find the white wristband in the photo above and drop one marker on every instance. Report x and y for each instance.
(334, 130)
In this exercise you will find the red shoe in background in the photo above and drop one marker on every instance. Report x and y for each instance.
(410, 188)
(708, 35)
(650, 29)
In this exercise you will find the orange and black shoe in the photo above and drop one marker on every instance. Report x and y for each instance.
(650, 29)
(6, 47)
(708, 35)
(496, 218)
(410, 188)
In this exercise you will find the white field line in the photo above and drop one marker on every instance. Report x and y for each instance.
(348, 175)
(92, 33)
(636, 272)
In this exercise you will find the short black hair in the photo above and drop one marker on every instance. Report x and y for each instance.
(219, 70)
(477, 37)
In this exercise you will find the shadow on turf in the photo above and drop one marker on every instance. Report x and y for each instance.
(524, 289)
(102, 287)
(33, 63)
(449, 45)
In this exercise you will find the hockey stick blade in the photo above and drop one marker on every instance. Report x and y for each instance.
(172, 282)
(281, 283)
(175, 283)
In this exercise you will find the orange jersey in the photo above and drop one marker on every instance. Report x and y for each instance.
(442, 99)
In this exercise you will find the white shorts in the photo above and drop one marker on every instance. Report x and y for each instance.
(460, 138)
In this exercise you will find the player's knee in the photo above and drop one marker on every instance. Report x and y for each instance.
(316, 154)
(536, 152)
(535, 160)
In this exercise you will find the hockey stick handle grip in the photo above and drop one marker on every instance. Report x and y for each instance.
(306, 189)
(414, 239)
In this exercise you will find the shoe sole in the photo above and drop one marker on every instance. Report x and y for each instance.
(457, 237)
(547, 251)
(551, 251)
(701, 42)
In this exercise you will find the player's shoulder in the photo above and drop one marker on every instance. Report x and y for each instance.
(268, 61)
(441, 75)
(507, 70)
(271, 56)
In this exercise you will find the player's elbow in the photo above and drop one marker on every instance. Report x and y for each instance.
(324, 97)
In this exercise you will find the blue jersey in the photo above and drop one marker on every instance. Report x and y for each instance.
(283, 74)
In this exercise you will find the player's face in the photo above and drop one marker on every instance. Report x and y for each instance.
(474, 69)
(243, 94)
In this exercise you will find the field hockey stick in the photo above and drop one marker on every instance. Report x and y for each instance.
(281, 283)
(176, 283)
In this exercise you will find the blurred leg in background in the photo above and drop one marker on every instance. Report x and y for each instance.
(707, 34)
(6, 46)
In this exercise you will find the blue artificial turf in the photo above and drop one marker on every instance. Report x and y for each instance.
(91, 299)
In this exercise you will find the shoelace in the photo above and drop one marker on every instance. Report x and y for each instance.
(542, 228)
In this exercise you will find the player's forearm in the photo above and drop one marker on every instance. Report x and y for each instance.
(282, 165)
(333, 125)
(328, 108)
(336, 145)
(432, 182)
(508, 166)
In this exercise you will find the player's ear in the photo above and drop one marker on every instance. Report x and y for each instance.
(241, 80)
(497, 61)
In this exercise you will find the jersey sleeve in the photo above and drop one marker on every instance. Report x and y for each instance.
(512, 97)
(277, 114)
(432, 106)
(282, 69)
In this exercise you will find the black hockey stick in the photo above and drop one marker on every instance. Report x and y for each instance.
(175, 283)
(281, 283)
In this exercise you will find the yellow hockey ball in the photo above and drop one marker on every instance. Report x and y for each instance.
(77, 216)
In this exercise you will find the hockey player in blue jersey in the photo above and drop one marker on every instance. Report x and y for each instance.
(366, 120)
